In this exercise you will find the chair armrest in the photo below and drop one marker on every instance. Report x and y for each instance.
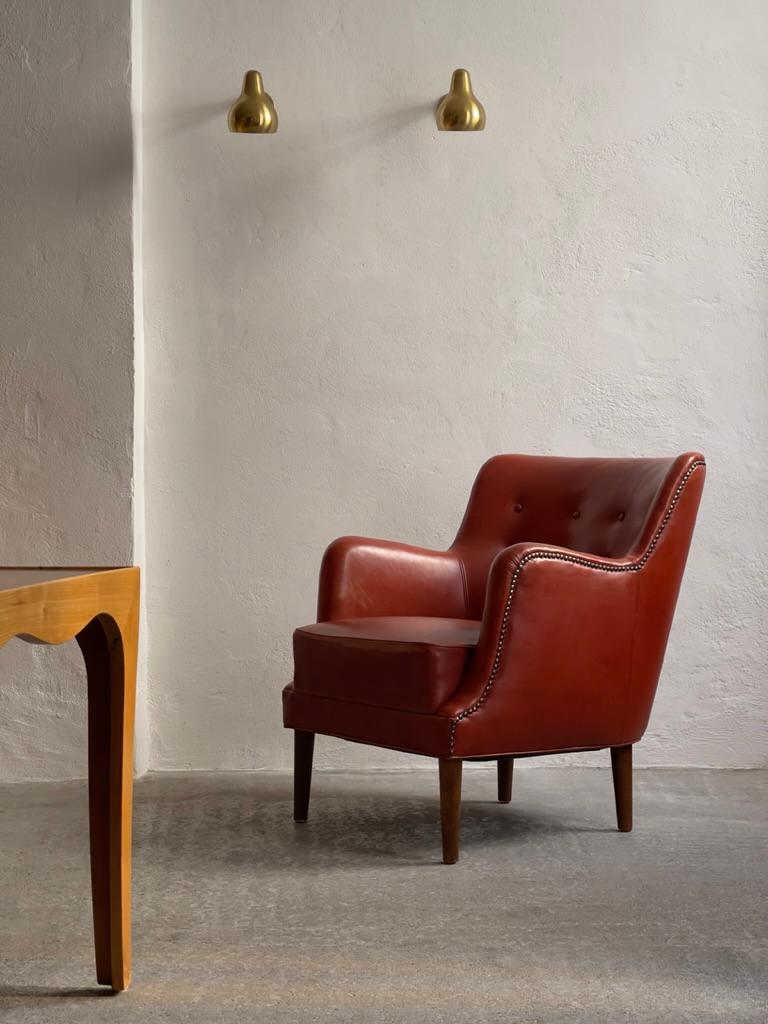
(364, 577)
(554, 660)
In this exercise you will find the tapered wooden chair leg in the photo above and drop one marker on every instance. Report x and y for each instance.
(621, 763)
(504, 767)
(450, 808)
(303, 749)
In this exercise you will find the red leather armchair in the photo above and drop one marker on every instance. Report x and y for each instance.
(541, 630)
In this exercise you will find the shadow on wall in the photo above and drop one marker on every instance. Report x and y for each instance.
(172, 123)
(74, 172)
(166, 126)
(308, 152)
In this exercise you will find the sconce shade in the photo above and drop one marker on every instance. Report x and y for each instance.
(254, 110)
(460, 110)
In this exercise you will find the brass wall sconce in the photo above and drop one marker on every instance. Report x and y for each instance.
(460, 110)
(253, 111)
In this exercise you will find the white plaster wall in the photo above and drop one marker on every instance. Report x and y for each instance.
(345, 319)
(66, 340)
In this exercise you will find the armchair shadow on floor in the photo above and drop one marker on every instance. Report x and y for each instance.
(541, 630)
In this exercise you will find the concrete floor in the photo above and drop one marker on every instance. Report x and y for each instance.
(550, 916)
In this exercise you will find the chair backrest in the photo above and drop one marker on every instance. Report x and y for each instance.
(606, 507)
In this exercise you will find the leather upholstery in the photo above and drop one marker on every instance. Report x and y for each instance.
(573, 567)
(412, 663)
(362, 577)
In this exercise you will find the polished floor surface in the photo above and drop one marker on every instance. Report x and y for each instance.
(550, 916)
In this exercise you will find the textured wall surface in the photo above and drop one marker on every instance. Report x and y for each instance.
(66, 346)
(345, 319)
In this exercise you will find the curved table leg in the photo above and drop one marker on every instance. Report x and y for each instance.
(109, 652)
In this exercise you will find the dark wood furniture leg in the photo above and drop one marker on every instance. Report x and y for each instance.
(621, 764)
(450, 808)
(303, 749)
(504, 767)
(110, 779)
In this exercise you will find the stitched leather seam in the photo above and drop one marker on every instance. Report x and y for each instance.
(557, 556)
(418, 645)
(631, 667)
(464, 584)
(378, 707)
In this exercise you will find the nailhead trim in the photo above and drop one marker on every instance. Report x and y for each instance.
(556, 556)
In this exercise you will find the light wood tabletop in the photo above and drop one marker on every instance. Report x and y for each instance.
(99, 607)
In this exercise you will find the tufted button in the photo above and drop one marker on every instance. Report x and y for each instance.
(621, 516)
(517, 507)
(575, 515)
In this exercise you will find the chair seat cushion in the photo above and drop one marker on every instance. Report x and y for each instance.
(409, 663)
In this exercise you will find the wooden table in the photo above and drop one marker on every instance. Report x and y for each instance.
(100, 609)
